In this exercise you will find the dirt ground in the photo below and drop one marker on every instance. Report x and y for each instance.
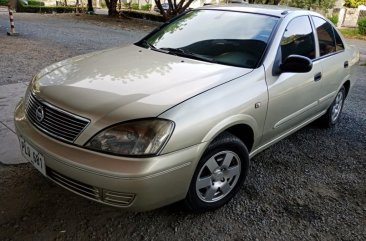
(310, 186)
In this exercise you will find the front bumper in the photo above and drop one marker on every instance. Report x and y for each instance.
(133, 183)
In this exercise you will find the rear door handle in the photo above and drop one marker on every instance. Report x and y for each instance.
(345, 64)
(318, 76)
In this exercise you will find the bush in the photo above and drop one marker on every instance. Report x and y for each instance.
(35, 3)
(47, 9)
(135, 6)
(334, 19)
(4, 2)
(146, 7)
(362, 26)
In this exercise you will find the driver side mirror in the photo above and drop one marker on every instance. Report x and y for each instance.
(296, 64)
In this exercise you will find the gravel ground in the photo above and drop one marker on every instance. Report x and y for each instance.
(310, 186)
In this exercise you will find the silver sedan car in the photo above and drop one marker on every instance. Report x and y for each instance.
(178, 115)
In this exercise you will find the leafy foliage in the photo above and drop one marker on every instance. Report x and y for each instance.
(362, 26)
(354, 3)
(4, 2)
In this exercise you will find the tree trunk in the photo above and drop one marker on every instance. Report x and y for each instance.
(112, 7)
(90, 6)
(174, 8)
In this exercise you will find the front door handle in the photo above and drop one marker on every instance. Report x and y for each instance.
(345, 64)
(318, 76)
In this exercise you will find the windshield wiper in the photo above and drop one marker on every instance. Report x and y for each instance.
(185, 53)
(148, 44)
(152, 47)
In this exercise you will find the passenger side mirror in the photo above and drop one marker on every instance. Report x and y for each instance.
(296, 64)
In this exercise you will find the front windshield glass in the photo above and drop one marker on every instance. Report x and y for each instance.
(224, 37)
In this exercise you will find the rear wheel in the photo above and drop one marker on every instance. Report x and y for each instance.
(333, 114)
(219, 174)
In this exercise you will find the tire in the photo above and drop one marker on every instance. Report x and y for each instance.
(219, 173)
(333, 114)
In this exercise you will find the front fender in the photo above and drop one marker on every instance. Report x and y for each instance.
(240, 119)
(200, 119)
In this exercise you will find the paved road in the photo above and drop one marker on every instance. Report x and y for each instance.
(310, 186)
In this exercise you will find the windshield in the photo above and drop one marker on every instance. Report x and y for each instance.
(224, 37)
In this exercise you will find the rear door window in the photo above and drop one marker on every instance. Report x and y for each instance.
(326, 38)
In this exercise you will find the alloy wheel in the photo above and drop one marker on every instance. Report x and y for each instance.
(337, 107)
(218, 176)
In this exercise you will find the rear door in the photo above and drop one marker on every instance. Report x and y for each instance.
(332, 57)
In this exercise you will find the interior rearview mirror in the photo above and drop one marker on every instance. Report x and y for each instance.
(296, 64)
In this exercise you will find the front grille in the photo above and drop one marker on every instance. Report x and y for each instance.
(53, 121)
(113, 198)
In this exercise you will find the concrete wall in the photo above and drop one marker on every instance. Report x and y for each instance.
(348, 17)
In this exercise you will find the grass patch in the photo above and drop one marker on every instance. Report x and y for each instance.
(334, 19)
(352, 33)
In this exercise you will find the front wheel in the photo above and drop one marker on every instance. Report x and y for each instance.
(219, 174)
(333, 114)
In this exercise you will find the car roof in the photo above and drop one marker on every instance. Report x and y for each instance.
(273, 10)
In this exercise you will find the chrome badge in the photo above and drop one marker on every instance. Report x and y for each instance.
(39, 113)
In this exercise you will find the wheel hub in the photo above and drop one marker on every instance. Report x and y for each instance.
(218, 176)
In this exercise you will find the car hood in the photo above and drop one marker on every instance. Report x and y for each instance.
(127, 83)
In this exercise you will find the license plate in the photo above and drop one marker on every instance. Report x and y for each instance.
(33, 156)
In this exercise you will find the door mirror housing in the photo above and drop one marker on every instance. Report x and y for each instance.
(296, 64)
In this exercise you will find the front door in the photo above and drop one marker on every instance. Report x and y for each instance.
(293, 97)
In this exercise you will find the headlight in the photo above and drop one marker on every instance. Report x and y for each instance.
(141, 137)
